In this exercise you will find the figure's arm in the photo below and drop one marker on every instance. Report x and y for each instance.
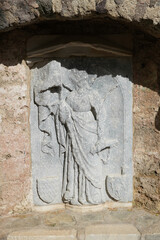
(99, 112)
(47, 106)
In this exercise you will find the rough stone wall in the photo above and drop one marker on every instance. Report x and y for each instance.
(146, 117)
(24, 12)
(15, 183)
(15, 161)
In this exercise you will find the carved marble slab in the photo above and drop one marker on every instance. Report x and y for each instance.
(81, 131)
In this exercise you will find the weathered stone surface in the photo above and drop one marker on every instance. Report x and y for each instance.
(146, 127)
(112, 232)
(57, 219)
(146, 223)
(25, 12)
(99, 168)
(40, 234)
(15, 144)
(151, 237)
(146, 113)
(92, 232)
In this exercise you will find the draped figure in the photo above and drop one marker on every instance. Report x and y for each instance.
(79, 120)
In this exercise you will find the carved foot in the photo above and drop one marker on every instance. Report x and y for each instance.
(82, 201)
(74, 202)
(68, 196)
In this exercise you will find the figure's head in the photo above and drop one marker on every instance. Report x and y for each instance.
(82, 84)
(80, 79)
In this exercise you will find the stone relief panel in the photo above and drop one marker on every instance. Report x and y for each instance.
(81, 131)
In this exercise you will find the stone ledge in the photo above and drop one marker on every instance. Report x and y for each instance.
(80, 226)
(100, 207)
(112, 232)
(92, 232)
(39, 234)
(154, 236)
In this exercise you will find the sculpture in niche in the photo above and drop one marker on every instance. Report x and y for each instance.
(79, 117)
(81, 131)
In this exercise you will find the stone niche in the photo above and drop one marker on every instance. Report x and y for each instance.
(81, 120)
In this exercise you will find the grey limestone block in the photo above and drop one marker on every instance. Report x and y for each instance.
(81, 131)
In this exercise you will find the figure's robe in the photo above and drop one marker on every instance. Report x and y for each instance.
(82, 170)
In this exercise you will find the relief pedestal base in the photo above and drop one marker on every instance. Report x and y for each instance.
(83, 208)
(49, 208)
(100, 207)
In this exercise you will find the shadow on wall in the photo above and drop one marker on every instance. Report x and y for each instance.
(13, 46)
(146, 71)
